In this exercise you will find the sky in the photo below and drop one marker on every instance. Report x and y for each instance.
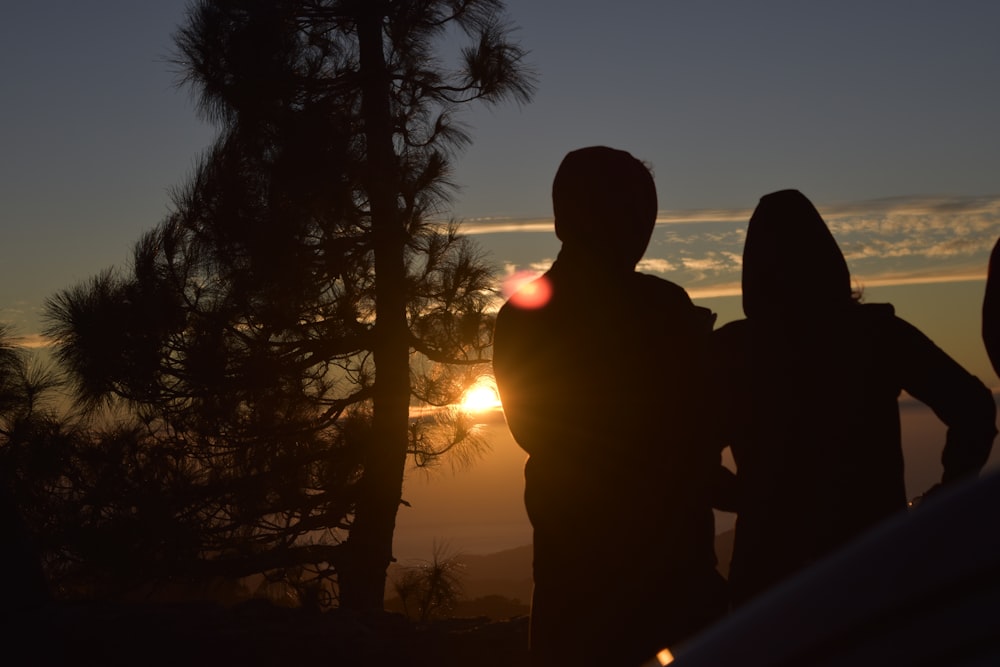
(883, 113)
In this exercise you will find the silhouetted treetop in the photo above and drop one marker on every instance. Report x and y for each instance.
(272, 332)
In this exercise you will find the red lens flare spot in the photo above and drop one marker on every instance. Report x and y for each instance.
(526, 289)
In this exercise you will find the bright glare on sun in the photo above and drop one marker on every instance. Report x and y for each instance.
(479, 398)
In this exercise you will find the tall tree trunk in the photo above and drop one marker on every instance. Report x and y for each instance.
(362, 576)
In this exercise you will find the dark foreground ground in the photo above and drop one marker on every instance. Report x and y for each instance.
(251, 635)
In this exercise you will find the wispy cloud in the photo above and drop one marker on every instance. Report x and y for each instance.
(34, 341)
(913, 206)
(959, 275)
(481, 226)
(655, 265)
(890, 241)
(502, 225)
(916, 240)
(717, 290)
(703, 215)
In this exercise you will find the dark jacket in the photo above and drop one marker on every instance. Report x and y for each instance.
(603, 387)
(810, 383)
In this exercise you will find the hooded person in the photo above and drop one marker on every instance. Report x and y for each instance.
(810, 383)
(791, 262)
(601, 372)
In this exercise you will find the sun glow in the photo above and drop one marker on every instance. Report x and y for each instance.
(480, 397)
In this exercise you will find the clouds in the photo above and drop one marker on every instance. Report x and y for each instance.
(34, 341)
(918, 239)
(482, 226)
(654, 265)
(18, 314)
(890, 241)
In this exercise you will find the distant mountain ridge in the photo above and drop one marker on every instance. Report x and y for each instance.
(507, 573)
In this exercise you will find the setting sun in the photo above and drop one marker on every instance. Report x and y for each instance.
(480, 397)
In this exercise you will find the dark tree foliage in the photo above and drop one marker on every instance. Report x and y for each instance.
(431, 589)
(273, 333)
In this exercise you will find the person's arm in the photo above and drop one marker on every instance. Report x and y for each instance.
(531, 379)
(958, 398)
(725, 349)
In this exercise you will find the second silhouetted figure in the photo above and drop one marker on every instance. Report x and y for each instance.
(811, 380)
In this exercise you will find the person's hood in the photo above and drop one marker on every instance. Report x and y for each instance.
(791, 262)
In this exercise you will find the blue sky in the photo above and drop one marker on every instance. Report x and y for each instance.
(883, 113)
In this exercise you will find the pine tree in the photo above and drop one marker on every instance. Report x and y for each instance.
(279, 324)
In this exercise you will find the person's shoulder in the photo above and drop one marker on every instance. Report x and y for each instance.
(731, 332)
(661, 291)
(530, 296)
(646, 281)
(511, 313)
(879, 324)
(876, 310)
(514, 326)
(733, 328)
(529, 309)
(876, 314)
(673, 298)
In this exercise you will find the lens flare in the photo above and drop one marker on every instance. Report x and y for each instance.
(528, 290)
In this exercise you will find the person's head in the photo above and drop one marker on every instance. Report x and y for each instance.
(791, 262)
(604, 202)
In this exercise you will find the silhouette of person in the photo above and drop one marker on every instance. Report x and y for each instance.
(601, 373)
(811, 380)
(991, 309)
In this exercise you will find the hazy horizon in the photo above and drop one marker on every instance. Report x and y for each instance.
(480, 510)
